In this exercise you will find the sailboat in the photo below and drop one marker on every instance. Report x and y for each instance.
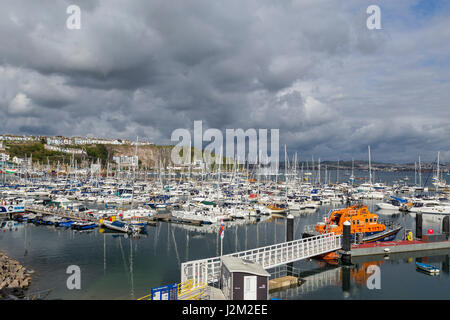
(438, 182)
(352, 177)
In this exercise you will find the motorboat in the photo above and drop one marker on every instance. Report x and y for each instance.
(121, 226)
(391, 204)
(427, 268)
(83, 225)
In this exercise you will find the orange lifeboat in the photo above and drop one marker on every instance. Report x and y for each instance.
(362, 222)
(359, 216)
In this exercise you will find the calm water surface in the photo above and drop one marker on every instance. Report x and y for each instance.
(118, 267)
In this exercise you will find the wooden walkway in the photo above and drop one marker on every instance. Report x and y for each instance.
(60, 213)
(42, 210)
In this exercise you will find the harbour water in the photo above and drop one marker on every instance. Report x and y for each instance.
(116, 266)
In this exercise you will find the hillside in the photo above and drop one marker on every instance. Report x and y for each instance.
(149, 155)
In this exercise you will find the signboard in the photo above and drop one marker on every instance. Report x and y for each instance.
(168, 292)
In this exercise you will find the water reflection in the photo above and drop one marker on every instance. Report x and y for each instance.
(398, 278)
(117, 265)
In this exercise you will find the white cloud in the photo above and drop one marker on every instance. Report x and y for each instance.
(20, 105)
(310, 68)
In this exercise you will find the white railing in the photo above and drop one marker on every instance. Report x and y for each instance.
(208, 270)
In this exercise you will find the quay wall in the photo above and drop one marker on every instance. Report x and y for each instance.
(380, 250)
(14, 278)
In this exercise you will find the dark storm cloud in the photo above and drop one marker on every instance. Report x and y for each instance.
(309, 68)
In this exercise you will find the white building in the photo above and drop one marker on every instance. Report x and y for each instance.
(17, 160)
(18, 138)
(66, 150)
(4, 157)
(127, 161)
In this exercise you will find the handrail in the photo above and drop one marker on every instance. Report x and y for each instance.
(190, 290)
(143, 298)
(208, 270)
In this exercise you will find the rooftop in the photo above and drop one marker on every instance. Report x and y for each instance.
(234, 264)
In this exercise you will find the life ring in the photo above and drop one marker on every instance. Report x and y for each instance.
(410, 236)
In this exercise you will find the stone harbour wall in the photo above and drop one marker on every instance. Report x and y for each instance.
(14, 278)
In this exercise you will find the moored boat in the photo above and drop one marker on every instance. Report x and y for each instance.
(120, 226)
(11, 207)
(277, 208)
(364, 225)
(64, 222)
(83, 225)
(10, 225)
(427, 268)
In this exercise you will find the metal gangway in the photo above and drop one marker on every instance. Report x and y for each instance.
(208, 270)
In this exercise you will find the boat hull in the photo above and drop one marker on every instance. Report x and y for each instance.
(387, 235)
(368, 237)
(427, 268)
(115, 228)
(12, 209)
(83, 226)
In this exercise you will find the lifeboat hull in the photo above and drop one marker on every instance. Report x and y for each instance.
(387, 235)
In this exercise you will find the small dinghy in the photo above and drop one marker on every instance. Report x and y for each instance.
(427, 268)
(65, 222)
(83, 225)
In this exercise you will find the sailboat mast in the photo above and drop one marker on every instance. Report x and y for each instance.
(370, 168)
(337, 173)
(415, 173)
(285, 164)
(318, 168)
(353, 164)
(420, 174)
(437, 169)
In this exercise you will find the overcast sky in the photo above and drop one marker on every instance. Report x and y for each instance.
(310, 68)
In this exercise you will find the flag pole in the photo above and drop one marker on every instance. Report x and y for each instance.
(221, 237)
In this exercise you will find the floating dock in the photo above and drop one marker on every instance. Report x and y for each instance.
(383, 248)
(213, 293)
(421, 242)
(60, 213)
(282, 283)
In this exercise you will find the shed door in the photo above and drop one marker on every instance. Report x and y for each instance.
(250, 288)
